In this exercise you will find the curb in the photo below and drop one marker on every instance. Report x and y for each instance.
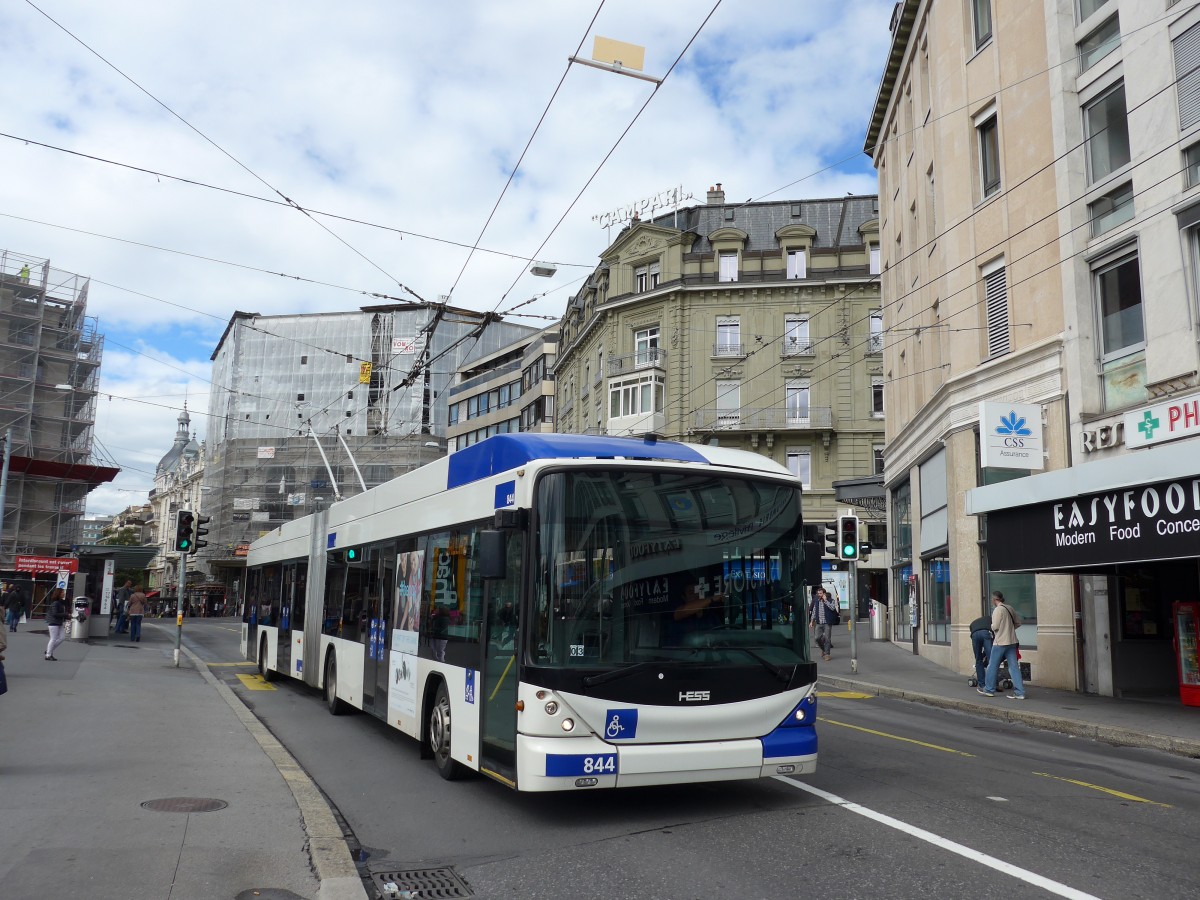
(327, 847)
(1109, 734)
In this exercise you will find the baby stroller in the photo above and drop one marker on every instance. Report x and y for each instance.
(1003, 679)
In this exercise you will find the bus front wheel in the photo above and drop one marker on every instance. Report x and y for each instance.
(440, 735)
(336, 705)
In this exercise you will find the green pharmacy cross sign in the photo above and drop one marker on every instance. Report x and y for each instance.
(1149, 424)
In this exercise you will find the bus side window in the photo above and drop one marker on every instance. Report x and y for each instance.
(335, 588)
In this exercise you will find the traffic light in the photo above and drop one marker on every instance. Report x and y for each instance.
(185, 521)
(848, 537)
(831, 539)
(201, 521)
(354, 554)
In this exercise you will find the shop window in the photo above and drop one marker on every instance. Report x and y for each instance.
(1020, 592)
(937, 600)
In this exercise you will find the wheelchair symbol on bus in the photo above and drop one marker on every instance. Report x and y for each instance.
(621, 724)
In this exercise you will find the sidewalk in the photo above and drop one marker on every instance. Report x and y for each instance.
(891, 670)
(87, 740)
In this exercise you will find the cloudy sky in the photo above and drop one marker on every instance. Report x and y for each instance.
(406, 116)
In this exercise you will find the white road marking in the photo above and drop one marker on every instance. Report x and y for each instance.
(991, 862)
(999, 799)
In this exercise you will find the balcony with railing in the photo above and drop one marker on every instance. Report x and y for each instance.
(770, 418)
(875, 343)
(728, 348)
(791, 346)
(649, 358)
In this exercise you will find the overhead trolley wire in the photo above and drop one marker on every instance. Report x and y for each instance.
(288, 200)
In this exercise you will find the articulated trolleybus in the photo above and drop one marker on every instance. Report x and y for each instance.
(557, 612)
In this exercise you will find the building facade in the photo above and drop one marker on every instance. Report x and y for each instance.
(91, 528)
(489, 396)
(1037, 175)
(304, 406)
(178, 480)
(50, 354)
(754, 326)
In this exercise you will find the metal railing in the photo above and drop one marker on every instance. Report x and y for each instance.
(794, 347)
(728, 349)
(650, 358)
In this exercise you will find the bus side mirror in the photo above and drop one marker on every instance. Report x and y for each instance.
(493, 554)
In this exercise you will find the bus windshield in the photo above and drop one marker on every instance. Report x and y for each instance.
(642, 565)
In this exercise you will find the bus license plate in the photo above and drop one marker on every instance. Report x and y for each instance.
(560, 764)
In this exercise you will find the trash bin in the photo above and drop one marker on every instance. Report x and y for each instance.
(878, 621)
(79, 626)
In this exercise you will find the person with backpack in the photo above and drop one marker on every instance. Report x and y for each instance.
(981, 646)
(824, 614)
(1005, 622)
(14, 606)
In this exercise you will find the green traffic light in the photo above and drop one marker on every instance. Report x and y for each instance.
(847, 550)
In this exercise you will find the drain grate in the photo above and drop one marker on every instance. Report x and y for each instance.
(185, 804)
(442, 883)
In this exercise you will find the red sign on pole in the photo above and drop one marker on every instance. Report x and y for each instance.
(46, 564)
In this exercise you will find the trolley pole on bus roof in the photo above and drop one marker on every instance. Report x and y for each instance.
(179, 605)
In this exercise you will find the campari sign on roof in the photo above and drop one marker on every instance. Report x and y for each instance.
(1010, 435)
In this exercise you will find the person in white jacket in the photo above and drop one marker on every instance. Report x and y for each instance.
(1005, 622)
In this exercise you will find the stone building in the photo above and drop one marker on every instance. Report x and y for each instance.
(749, 325)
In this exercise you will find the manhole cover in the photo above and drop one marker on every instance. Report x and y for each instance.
(423, 883)
(185, 804)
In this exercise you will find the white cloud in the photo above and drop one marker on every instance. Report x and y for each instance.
(404, 114)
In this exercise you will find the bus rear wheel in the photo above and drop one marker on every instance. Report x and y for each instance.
(336, 706)
(440, 735)
(264, 669)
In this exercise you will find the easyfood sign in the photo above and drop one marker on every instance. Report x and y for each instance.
(1010, 436)
(1137, 524)
(1164, 422)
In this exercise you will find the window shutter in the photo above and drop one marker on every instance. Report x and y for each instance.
(996, 298)
(1187, 73)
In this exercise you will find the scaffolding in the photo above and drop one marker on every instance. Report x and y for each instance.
(367, 381)
(50, 353)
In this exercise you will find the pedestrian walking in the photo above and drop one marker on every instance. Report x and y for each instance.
(14, 606)
(122, 606)
(137, 609)
(1005, 622)
(56, 620)
(824, 614)
(981, 647)
(3, 677)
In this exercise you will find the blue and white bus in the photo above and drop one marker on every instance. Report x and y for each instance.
(557, 612)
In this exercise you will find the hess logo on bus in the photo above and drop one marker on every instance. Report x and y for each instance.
(693, 696)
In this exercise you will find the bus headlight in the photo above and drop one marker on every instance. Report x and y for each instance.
(568, 724)
(801, 715)
(551, 708)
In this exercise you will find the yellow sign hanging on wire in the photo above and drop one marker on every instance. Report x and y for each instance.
(364, 373)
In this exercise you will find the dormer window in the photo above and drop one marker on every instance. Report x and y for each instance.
(797, 264)
(646, 277)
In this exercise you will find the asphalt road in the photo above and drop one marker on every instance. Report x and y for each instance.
(908, 801)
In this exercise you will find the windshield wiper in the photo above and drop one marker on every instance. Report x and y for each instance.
(614, 674)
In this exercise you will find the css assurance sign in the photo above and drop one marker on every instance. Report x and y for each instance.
(1010, 435)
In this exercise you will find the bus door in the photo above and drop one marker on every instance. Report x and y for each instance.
(250, 615)
(283, 655)
(382, 562)
(500, 665)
